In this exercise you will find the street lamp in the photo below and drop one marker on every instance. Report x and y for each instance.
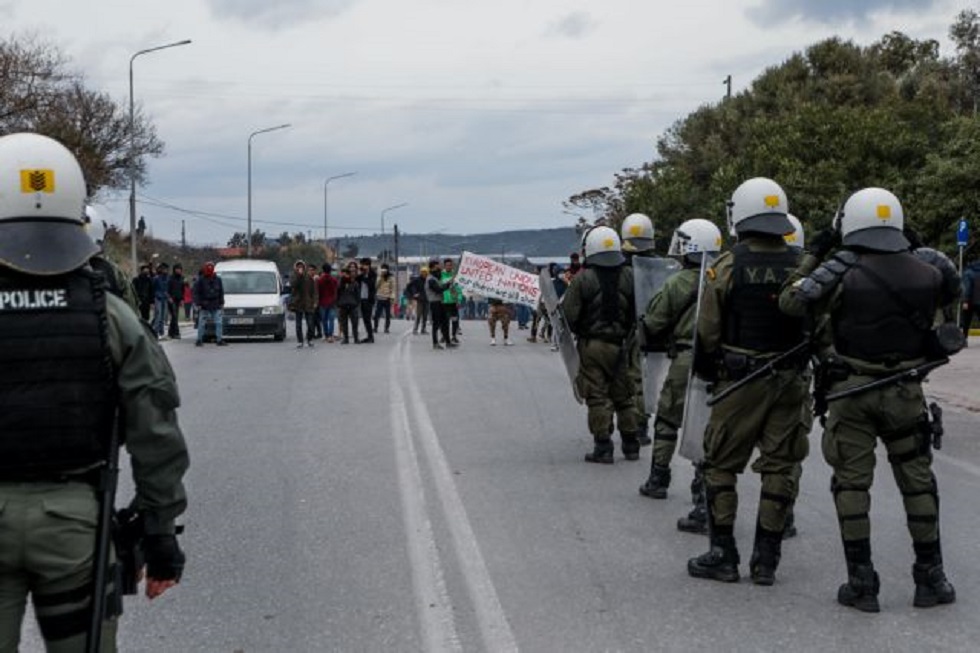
(248, 230)
(390, 208)
(329, 179)
(132, 145)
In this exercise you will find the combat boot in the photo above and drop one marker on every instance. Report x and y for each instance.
(932, 588)
(765, 555)
(695, 522)
(643, 434)
(719, 563)
(789, 530)
(631, 446)
(861, 589)
(656, 486)
(603, 452)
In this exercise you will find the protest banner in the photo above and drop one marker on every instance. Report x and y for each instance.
(480, 275)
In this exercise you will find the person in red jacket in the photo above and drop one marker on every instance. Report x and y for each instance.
(326, 288)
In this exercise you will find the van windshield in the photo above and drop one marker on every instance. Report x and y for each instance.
(240, 282)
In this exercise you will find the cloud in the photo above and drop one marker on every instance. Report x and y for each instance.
(281, 13)
(828, 11)
(575, 25)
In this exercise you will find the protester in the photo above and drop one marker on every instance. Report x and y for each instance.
(326, 287)
(302, 302)
(161, 299)
(143, 285)
(209, 296)
(419, 300)
(315, 318)
(368, 280)
(384, 294)
(175, 296)
(348, 303)
(499, 312)
(188, 300)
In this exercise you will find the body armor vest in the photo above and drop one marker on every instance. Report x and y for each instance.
(598, 325)
(886, 321)
(57, 399)
(753, 319)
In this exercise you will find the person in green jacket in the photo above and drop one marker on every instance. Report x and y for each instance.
(669, 320)
(78, 363)
(451, 299)
(599, 306)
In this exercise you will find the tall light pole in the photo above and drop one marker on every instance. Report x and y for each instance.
(329, 179)
(132, 149)
(390, 208)
(248, 230)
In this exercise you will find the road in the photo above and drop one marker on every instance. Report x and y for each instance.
(389, 497)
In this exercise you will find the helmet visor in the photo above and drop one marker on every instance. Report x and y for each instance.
(44, 247)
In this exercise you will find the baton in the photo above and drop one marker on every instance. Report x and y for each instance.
(714, 399)
(916, 373)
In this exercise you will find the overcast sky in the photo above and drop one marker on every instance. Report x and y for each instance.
(481, 115)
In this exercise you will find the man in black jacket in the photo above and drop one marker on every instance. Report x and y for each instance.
(143, 285)
(209, 295)
(175, 292)
(368, 283)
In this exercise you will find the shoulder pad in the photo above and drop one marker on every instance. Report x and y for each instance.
(826, 277)
(935, 258)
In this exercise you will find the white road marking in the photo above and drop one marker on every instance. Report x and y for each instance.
(432, 598)
(494, 628)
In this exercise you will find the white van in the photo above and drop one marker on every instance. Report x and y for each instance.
(253, 305)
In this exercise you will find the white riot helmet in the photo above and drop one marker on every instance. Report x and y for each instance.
(873, 218)
(693, 238)
(42, 194)
(796, 239)
(94, 226)
(759, 205)
(637, 233)
(602, 248)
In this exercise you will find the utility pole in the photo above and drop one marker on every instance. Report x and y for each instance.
(183, 236)
(728, 85)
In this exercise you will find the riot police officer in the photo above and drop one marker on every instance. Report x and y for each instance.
(77, 365)
(881, 301)
(743, 338)
(116, 280)
(637, 236)
(669, 319)
(599, 307)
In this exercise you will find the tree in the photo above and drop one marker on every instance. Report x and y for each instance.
(237, 240)
(351, 251)
(826, 122)
(39, 93)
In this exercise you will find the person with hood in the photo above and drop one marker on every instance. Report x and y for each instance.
(302, 302)
(348, 303)
(209, 295)
(143, 285)
(175, 294)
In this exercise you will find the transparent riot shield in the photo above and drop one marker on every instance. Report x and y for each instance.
(696, 411)
(562, 334)
(649, 275)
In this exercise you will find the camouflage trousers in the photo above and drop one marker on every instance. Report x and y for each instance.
(499, 314)
(770, 414)
(854, 426)
(607, 388)
(670, 409)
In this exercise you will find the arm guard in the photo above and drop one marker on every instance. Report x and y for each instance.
(951, 278)
(826, 277)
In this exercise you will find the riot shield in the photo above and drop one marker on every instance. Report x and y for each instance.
(649, 275)
(562, 334)
(696, 411)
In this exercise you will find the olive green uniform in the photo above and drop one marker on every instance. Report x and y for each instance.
(603, 379)
(670, 318)
(767, 413)
(892, 413)
(117, 281)
(47, 530)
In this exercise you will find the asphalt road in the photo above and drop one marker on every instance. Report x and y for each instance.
(389, 497)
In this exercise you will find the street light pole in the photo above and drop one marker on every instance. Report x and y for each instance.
(248, 229)
(390, 208)
(329, 179)
(132, 149)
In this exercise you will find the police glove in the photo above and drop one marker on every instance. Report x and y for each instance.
(164, 559)
(911, 235)
(822, 243)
